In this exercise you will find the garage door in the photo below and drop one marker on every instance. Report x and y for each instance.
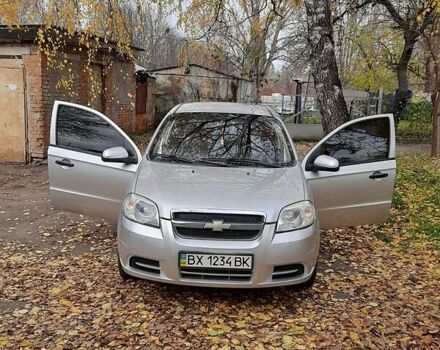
(12, 112)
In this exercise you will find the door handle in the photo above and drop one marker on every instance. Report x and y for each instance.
(64, 162)
(378, 175)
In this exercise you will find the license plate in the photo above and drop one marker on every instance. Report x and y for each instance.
(220, 261)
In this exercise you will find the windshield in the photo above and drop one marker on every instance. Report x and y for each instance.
(223, 139)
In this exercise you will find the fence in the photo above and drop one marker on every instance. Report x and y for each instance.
(302, 117)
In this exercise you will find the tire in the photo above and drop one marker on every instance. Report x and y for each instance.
(124, 275)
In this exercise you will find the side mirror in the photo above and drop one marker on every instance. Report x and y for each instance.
(325, 163)
(117, 155)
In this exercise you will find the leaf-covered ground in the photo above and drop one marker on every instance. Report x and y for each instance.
(416, 202)
(377, 287)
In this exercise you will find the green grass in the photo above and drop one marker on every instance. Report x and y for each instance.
(311, 120)
(416, 201)
(382, 236)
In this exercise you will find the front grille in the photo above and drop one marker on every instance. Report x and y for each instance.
(217, 225)
(208, 217)
(147, 265)
(287, 271)
(216, 274)
(208, 233)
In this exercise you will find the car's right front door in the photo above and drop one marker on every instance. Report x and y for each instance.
(361, 191)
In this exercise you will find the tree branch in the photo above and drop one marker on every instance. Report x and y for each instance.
(355, 8)
(394, 14)
(217, 14)
(274, 8)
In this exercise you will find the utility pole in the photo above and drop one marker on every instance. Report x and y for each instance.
(298, 101)
(380, 101)
(186, 63)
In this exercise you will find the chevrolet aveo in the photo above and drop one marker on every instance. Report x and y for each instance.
(220, 198)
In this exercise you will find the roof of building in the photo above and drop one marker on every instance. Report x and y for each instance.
(157, 71)
(223, 107)
(29, 33)
(142, 74)
(139, 68)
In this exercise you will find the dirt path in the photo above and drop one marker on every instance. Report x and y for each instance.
(26, 214)
(59, 287)
(413, 148)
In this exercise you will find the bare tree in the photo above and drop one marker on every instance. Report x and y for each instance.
(349, 18)
(412, 18)
(250, 35)
(154, 34)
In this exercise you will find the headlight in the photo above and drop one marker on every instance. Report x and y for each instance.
(141, 210)
(296, 216)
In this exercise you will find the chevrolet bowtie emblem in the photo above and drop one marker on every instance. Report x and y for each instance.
(217, 225)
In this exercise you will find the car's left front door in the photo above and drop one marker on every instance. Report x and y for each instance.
(80, 180)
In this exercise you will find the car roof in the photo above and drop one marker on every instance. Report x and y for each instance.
(223, 107)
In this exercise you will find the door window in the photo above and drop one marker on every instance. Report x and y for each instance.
(361, 142)
(84, 131)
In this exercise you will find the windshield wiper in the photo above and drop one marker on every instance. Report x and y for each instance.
(172, 157)
(237, 161)
(213, 161)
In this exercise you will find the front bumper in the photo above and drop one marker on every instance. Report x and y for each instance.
(269, 250)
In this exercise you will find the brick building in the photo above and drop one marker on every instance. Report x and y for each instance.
(145, 100)
(194, 83)
(29, 84)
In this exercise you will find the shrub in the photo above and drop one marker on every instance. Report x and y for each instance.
(418, 112)
(416, 121)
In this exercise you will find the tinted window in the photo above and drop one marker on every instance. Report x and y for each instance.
(223, 137)
(365, 141)
(84, 131)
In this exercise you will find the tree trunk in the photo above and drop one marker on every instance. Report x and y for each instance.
(435, 54)
(402, 76)
(430, 75)
(435, 151)
(324, 68)
(257, 46)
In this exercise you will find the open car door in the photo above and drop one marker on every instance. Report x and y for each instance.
(359, 191)
(91, 161)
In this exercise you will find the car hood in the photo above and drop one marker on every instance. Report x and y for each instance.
(180, 186)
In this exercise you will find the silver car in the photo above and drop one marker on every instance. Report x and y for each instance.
(220, 198)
